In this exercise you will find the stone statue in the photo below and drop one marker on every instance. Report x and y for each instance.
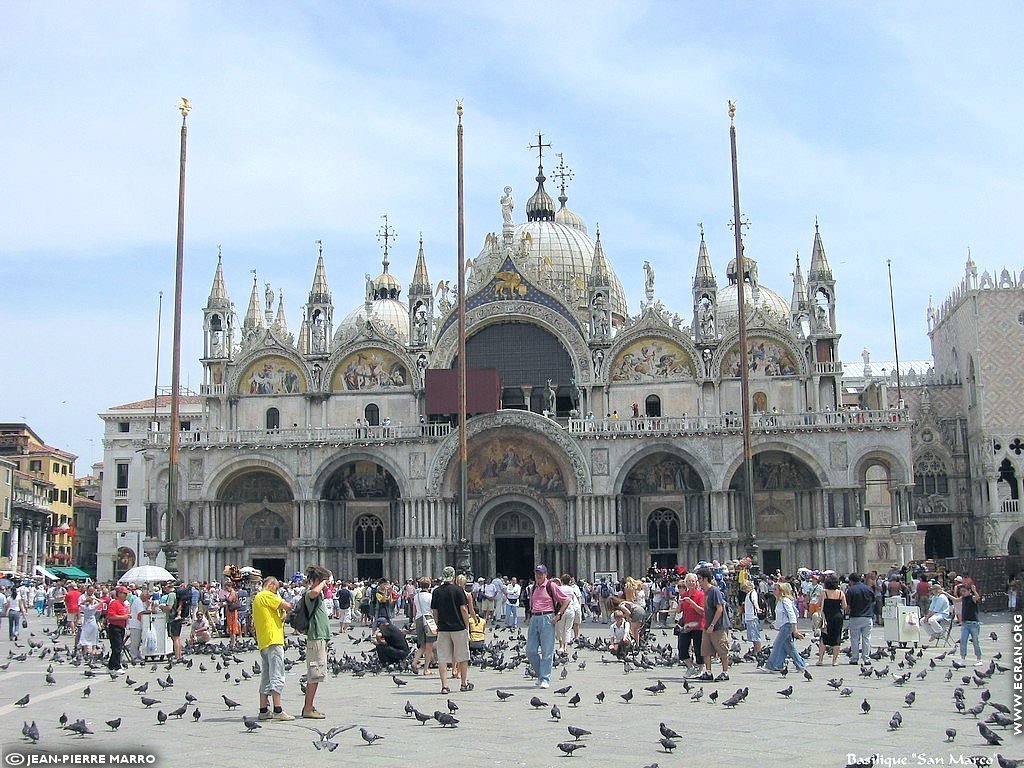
(550, 397)
(707, 320)
(648, 280)
(268, 294)
(369, 287)
(318, 336)
(317, 375)
(598, 362)
(421, 363)
(752, 272)
(422, 326)
(507, 204)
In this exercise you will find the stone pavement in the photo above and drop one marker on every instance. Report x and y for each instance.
(815, 727)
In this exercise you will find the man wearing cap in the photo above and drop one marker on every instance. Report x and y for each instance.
(117, 621)
(450, 607)
(547, 604)
(389, 642)
(938, 612)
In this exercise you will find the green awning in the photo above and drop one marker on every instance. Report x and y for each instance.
(69, 572)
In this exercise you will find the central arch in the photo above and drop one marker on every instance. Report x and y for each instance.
(512, 530)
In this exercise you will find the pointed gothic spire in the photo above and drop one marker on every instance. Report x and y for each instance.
(420, 279)
(799, 302)
(303, 344)
(320, 293)
(218, 291)
(253, 318)
(819, 269)
(704, 275)
(600, 272)
(280, 320)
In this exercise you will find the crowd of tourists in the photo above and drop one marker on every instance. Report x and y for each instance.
(446, 619)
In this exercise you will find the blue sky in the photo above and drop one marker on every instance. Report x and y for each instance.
(896, 124)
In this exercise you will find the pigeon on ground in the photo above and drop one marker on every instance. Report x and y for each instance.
(189, 698)
(950, 734)
(576, 733)
(422, 717)
(179, 711)
(161, 717)
(229, 703)
(807, 675)
(23, 701)
(446, 719)
(114, 724)
(30, 732)
(787, 691)
(668, 744)
(563, 691)
(369, 737)
(865, 707)
(50, 679)
(570, 746)
(63, 719)
(536, 702)
(556, 713)
(79, 727)
(976, 709)
(574, 700)
(196, 714)
(1005, 762)
(667, 732)
(452, 706)
(399, 681)
(910, 698)
(251, 723)
(627, 696)
(657, 688)
(503, 695)
(148, 702)
(989, 735)
(600, 697)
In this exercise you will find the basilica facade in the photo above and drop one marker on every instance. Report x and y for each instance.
(613, 442)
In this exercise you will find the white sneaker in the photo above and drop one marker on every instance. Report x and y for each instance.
(545, 684)
(979, 663)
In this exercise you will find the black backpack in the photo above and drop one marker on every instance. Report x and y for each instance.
(182, 602)
(300, 617)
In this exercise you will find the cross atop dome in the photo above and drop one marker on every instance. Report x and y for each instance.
(386, 234)
(540, 206)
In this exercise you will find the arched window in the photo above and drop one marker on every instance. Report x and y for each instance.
(930, 475)
(369, 535)
(972, 382)
(273, 418)
(215, 323)
(652, 405)
(371, 415)
(663, 530)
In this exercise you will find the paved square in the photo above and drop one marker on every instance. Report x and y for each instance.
(814, 727)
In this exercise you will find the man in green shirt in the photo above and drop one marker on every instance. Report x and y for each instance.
(317, 635)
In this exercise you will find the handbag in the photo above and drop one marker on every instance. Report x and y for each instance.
(429, 625)
(24, 623)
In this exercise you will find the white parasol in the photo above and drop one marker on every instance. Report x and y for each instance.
(146, 574)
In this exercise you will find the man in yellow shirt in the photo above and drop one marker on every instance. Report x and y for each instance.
(268, 612)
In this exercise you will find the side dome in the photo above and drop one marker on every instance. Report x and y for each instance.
(389, 311)
(768, 301)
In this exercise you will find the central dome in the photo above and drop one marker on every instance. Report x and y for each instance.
(568, 252)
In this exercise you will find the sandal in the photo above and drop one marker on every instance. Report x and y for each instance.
(466, 687)
(445, 691)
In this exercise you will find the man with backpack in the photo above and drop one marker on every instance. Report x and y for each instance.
(547, 602)
(175, 605)
(312, 612)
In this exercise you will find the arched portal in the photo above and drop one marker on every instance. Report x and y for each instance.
(368, 544)
(1015, 546)
(263, 506)
(357, 498)
(515, 540)
(784, 500)
(666, 503)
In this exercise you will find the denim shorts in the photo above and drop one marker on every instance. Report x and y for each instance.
(753, 630)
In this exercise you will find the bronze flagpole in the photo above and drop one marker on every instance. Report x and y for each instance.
(463, 551)
(748, 458)
(174, 427)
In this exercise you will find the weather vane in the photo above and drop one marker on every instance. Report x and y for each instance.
(386, 234)
(320, 246)
(563, 173)
(732, 111)
(700, 226)
(458, 109)
(185, 107)
(540, 146)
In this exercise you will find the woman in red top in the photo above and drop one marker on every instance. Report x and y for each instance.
(689, 627)
(231, 615)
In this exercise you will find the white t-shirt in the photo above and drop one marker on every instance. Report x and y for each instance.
(421, 603)
(4, 600)
(512, 592)
(750, 603)
(137, 606)
(575, 596)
